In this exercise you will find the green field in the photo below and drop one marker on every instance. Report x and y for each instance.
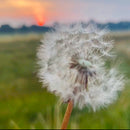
(24, 104)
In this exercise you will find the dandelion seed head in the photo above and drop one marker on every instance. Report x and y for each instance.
(72, 66)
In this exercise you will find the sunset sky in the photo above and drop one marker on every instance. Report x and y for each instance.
(40, 12)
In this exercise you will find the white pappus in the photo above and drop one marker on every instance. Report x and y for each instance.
(72, 66)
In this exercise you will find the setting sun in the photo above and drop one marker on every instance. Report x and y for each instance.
(40, 22)
(40, 17)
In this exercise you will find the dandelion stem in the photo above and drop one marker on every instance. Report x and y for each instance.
(67, 115)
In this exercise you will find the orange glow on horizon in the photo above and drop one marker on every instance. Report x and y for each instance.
(35, 11)
(40, 19)
(40, 22)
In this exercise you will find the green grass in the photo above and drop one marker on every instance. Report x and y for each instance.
(24, 104)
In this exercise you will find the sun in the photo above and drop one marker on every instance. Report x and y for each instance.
(40, 19)
(40, 22)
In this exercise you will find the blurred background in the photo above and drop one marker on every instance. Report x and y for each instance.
(23, 23)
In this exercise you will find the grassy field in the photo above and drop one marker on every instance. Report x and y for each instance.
(24, 104)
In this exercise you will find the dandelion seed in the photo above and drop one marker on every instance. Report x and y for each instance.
(72, 65)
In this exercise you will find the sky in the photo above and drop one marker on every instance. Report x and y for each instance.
(46, 12)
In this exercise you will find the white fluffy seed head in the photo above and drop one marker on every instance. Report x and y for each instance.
(72, 66)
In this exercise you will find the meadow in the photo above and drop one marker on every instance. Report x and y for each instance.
(25, 104)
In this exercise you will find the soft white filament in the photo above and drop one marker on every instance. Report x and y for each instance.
(55, 55)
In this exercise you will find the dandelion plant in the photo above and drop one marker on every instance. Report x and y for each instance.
(72, 66)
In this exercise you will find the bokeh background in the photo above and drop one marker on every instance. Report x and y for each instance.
(23, 23)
